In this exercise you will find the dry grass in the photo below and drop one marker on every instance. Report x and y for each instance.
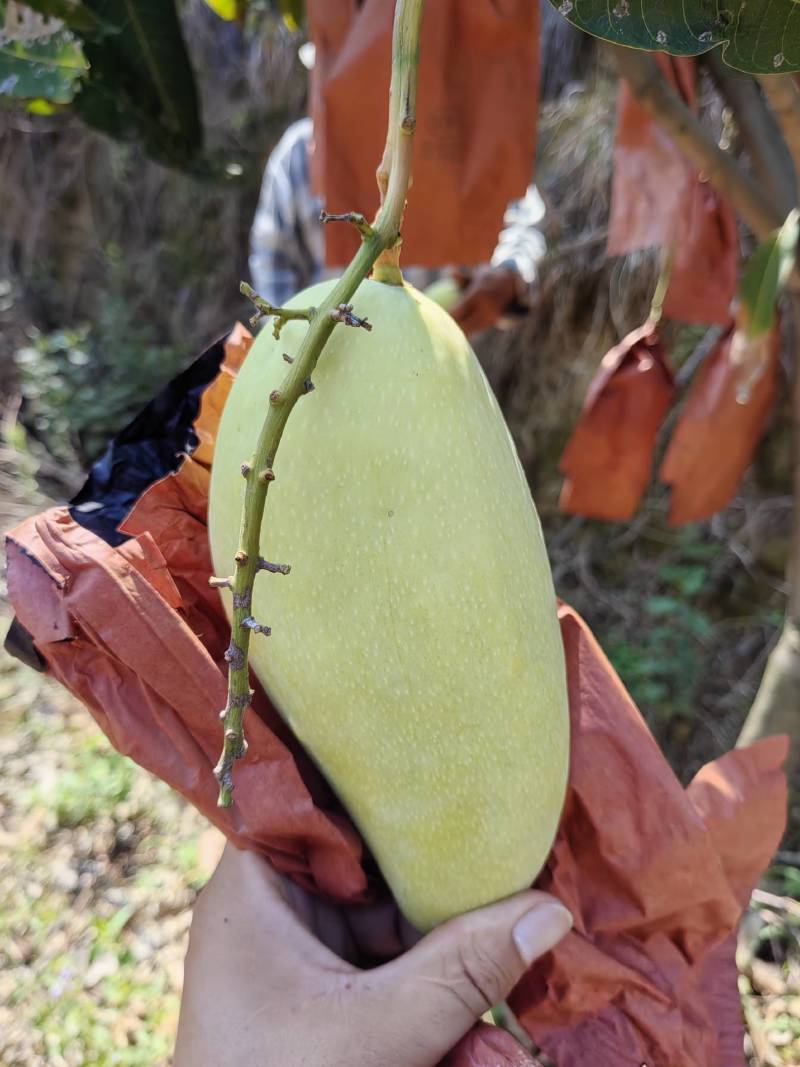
(100, 866)
(769, 964)
(99, 875)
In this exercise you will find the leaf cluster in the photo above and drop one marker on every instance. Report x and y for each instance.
(122, 65)
(756, 36)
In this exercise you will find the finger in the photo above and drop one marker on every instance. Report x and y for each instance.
(445, 983)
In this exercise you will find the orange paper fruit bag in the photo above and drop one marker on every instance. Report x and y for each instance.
(656, 876)
(659, 200)
(608, 459)
(723, 420)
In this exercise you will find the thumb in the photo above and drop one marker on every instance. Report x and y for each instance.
(455, 974)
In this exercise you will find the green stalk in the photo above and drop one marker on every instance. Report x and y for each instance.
(379, 242)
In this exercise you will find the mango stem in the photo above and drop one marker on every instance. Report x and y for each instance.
(258, 472)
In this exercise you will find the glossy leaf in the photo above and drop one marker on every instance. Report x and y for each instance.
(48, 68)
(40, 106)
(75, 14)
(294, 13)
(757, 36)
(230, 10)
(766, 276)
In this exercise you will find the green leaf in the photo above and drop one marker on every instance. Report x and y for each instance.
(294, 13)
(662, 605)
(141, 84)
(77, 16)
(47, 68)
(757, 36)
(40, 106)
(230, 10)
(766, 275)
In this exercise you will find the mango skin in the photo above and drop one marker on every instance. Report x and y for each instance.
(445, 292)
(415, 648)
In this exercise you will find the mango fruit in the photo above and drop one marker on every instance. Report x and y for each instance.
(445, 292)
(415, 649)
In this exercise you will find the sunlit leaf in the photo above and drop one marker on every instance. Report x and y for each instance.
(230, 10)
(41, 107)
(78, 16)
(47, 69)
(766, 276)
(758, 36)
(294, 13)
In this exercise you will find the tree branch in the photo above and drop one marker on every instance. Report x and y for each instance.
(793, 604)
(258, 471)
(660, 100)
(758, 129)
(784, 99)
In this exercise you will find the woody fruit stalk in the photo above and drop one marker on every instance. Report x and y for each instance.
(393, 178)
(414, 648)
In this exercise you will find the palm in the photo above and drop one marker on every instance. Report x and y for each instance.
(362, 935)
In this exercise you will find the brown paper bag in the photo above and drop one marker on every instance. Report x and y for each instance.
(659, 200)
(705, 266)
(475, 139)
(608, 459)
(724, 418)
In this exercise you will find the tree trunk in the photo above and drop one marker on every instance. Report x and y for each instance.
(776, 708)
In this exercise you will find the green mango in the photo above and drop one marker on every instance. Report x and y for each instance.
(445, 292)
(415, 648)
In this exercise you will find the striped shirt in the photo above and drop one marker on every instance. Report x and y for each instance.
(287, 240)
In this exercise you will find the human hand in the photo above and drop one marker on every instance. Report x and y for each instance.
(272, 979)
(488, 295)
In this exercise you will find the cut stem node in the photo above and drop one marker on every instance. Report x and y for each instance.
(352, 217)
(344, 314)
(273, 568)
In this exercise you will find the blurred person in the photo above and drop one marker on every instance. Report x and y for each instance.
(274, 974)
(287, 240)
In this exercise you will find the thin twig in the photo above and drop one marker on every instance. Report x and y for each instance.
(784, 98)
(258, 471)
(267, 310)
(772, 900)
(758, 130)
(698, 356)
(353, 217)
(663, 103)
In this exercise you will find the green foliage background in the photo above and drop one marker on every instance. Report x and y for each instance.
(116, 270)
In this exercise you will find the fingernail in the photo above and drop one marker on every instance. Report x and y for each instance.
(541, 929)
